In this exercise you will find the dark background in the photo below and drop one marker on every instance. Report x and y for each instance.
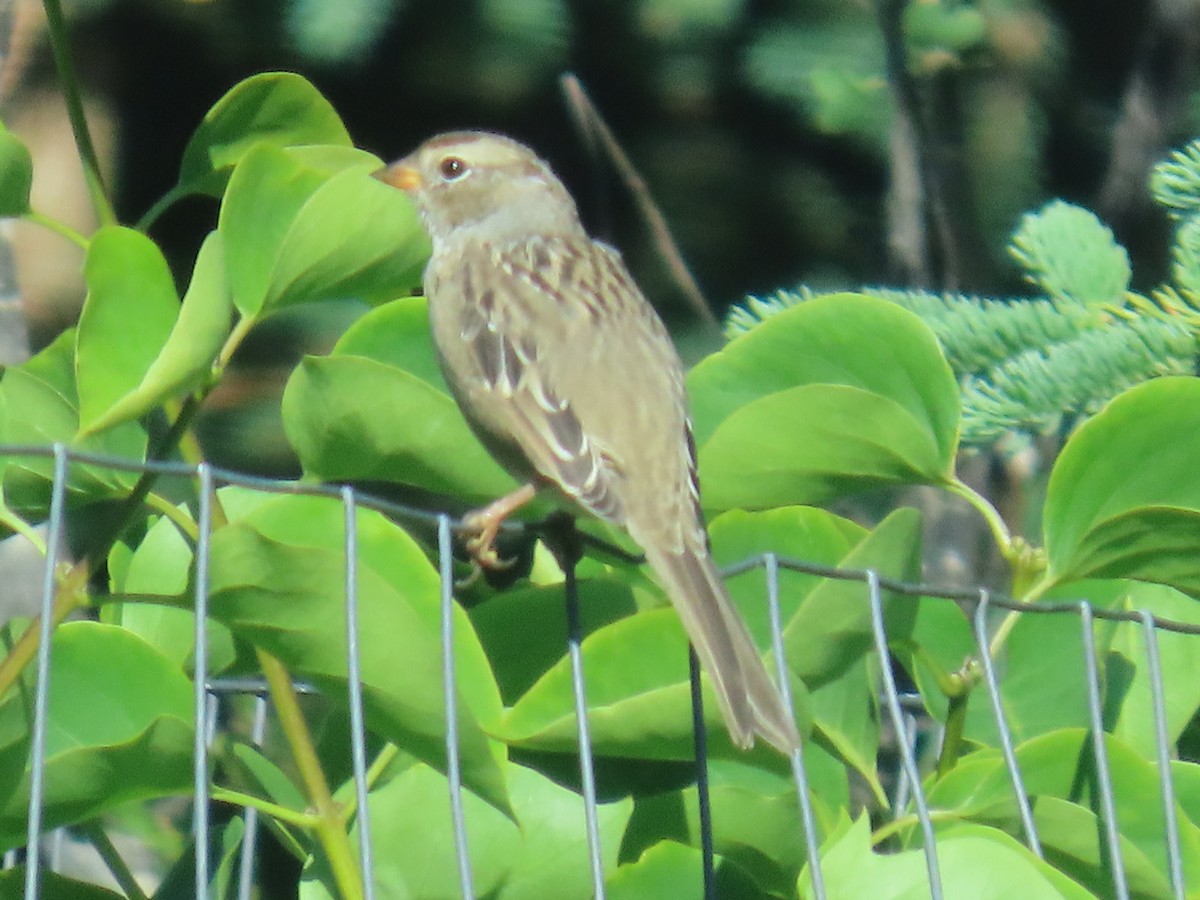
(767, 130)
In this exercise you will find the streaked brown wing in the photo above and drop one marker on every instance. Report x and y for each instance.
(509, 389)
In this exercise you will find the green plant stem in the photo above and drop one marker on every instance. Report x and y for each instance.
(1000, 532)
(103, 845)
(62, 229)
(883, 832)
(57, 27)
(266, 807)
(71, 595)
(1010, 619)
(180, 519)
(329, 828)
(377, 768)
(160, 206)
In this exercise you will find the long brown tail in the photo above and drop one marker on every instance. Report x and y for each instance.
(749, 700)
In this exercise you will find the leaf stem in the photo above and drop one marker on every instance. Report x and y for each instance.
(329, 827)
(62, 229)
(72, 594)
(180, 519)
(1000, 532)
(69, 80)
(274, 810)
(104, 847)
(160, 206)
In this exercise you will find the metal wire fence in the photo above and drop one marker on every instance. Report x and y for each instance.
(902, 711)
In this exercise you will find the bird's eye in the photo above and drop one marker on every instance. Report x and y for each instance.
(452, 168)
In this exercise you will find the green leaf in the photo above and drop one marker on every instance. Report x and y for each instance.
(115, 732)
(130, 309)
(552, 859)
(812, 444)
(39, 406)
(843, 711)
(1072, 255)
(354, 237)
(1122, 500)
(276, 108)
(350, 418)
(667, 869)
(831, 629)
(300, 226)
(288, 554)
(635, 672)
(791, 406)
(53, 887)
(756, 822)
(524, 630)
(1072, 833)
(975, 861)
(16, 174)
(187, 353)
(1177, 656)
(161, 566)
(396, 334)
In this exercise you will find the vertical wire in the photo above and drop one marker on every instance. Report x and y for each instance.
(703, 797)
(907, 760)
(979, 623)
(358, 741)
(37, 774)
(799, 775)
(1103, 775)
(250, 839)
(199, 675)
(909, 737)
(450, 689)
(586, 771)
(1163, 755)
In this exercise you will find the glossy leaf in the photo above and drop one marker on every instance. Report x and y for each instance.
(814, 443)
(668, 869)
(129, 312)
(397, 334)
(161, 566)
(120, 728)
(287, 554)
(1177, 656)
(1122, 501)
(843, 712)
(188, 352)
(1071, 832)
(524, 630)
(16, 174)
(295, 231)
(281, 109)
(977, 862)
(839, 394)
(350, 418)
(840, 339)
(39, 405)
(831, 629)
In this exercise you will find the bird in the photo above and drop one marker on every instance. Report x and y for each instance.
(569, 378)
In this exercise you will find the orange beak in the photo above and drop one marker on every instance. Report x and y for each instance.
(400, 175)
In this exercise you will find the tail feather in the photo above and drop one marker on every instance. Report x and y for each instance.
(750, 702)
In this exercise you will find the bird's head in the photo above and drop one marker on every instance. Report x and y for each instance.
(482, 186)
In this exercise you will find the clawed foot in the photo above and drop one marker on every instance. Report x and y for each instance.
(481, 528)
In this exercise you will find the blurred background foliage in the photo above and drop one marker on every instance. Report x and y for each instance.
(835, 143)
